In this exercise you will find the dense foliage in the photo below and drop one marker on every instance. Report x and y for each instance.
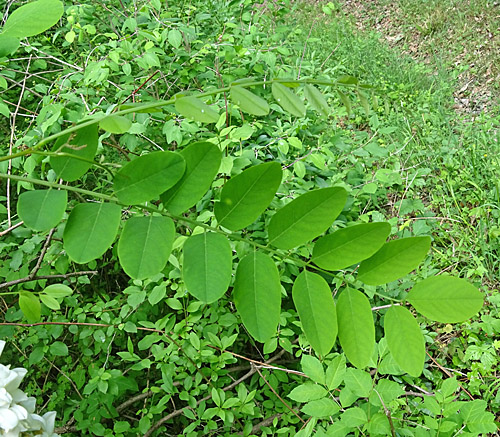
(194, 214)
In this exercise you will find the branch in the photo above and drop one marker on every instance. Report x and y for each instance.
(37, 278)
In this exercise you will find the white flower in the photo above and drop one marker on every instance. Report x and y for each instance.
(8, 419)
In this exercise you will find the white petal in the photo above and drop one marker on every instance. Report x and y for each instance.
(18, 396)
(8, 419)
(5, 398)
(2, 344)
(20, 412)
(36, 422)
(6, 376)
(19, 373)
(29, 404)
(50, 419)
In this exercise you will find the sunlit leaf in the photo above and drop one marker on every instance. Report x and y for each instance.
(306, 217)
(394, 260)
(246, 196)
(30, 306)
(257, 295)
(324, 407)
(49, 301)
(248, 101)
(116, 124)
(314, 303)
(90, 230)
(202, 164)
(146, 177)
(350, 245)
(81, 144)
(58, 291)
(145, 245)
(193, 108)
(446, 299)
(316, 99)
(207, 266)
(42, 210)
(8, 44)
(356, 327)
(405, 340)
(288, 100)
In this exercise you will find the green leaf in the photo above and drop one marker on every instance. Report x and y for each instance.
(346, 101)
(49, 302)
(157, 294)
(388, 391)
(353, 417)
(405, 340)
(325, 407)
(316, 99)
(146, 177)
(359, 382)
(306, 217)
(82, 144)
(33, 18)
(307, 392)
(58, 291)
(90, 230)
(364, 102)
(207, 266)
(42, 210)
(145, 245)
(30, 306)
(246, 196)
(116, 124)
(193, 108)
(248, 101)
(446, 299)
(202, 164)
(313, 368)
(174, 38)
(356, 327)
(335, 372)
(288, 100)
(4, 109)
(350, 246)
(257, 295)
(394, 260)
(8, 44)
(59, 349)
(314, 302)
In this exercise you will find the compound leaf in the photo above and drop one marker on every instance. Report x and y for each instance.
(90, 230)
(145, 245)
(193, 108)
(446, 299)
(207, 266)
(288, 100)
(248, 101)
(42, 209)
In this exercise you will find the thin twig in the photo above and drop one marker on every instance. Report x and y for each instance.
(37, 278)
(42, 254)
(11, 229)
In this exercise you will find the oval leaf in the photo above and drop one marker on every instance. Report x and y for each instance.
(148, 176)
(83, 145)
(316, 99)
(90, 230)
(193, 108)
(202, 164)
(405, 340)
(314, 303)
(246, 196)
(446, 299)
(324, 407)
(288, 100)
(257, 295)
(42, 209)
(394, 260)
(145, 245)
(58, 291)
(248, 101)
(349, 246)
(8, 44)
(33, 18)
(116, 124)
(356, 327)
(30, 306)
(306, 217)
(207, 266)
(49, 302)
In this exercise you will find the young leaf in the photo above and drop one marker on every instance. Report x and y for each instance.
(116, 124)
(33, 18)
(335, 372)
(313, 368)
(58, 291)
(316, 99)
(148, 176)
(248, 101)
(356, 327)
(349, 246)
(446, 299)
(49, 302)
(257, 295)
(306, 217)
(247, 195)
(202, 163)
(359, 382)
(42, 209)
(90, 230)
(314, 303)
(324, 407)
(207, 266)
(30, 306)
(82, 144)
(145, 245)
(193, 108)
(288, 100)
(394, 260)
(405, 340)
(307, 392)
